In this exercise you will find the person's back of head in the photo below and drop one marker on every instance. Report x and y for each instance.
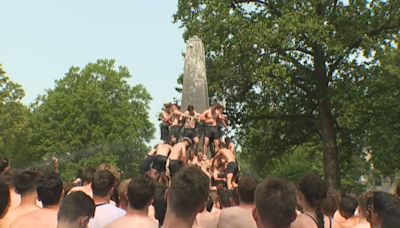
(76, 209)
(87, 175)
(188, 192)
(122, 189)
(247, 187)
(385, 210)
(140, 193)
(4, 198)
(314, 190)
(348, 206)
(275, 202)
(103, 182)
(330, 204)
(25, 182)
(49, 189)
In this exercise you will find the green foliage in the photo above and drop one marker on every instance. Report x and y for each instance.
(14, 129)
(291, 72)
(91, 116)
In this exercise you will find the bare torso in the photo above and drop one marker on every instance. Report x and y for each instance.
(176, 152)
(210, 117)
(228, 155)
(236, 217)
(207, 219)
(163, 149)
(133, 221)
(15, 213)
(190, 119)
(43, 218)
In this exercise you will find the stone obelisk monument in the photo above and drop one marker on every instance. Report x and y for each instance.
(195, 90)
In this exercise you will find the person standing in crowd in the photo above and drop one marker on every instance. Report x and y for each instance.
(25, 185)
(275, 204)
(241, 216)
(122, 189)
(166, 122)
(312, 191)
(211, 118)
(102, 187)
(50, 190)
(140, 196)
(347, 207)
(160, 160)
(5, 199)
(186, 197)
(86, 180)
(190, 125)
(175, 127)
(383, 210)
(75, 211)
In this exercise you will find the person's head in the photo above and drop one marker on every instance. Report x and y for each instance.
(25, 182)
(140, 193)
(4, 198)
(188, 193)
(87, 175)
(122, 189)
(247, 186)
(214, 106)
(4, 165)
(199, 156)
(227, 140)
(347, 207)
(312, 191)
(112, 169)
(187, 141)
(102, 185)
(331, 203)
(76, 209)
(190, 108)
(275, 204)
(49, 189)
(383, 210)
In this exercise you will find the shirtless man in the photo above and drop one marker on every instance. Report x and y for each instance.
(140, 196)
(192, 161)
(162, 152)
(50, 190)
(165, 117)
(232, 168)
(211, 118)
(347, 207)
(25, 185)
(175, 125)
(204, 164)
(177, 158)
(229, 144)
(190, 130)
(241, 216)
(148, 161)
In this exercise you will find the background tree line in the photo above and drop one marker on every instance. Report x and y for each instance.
(309, 85)
(92, 115)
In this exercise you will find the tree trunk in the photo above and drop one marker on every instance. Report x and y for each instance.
(326, 121)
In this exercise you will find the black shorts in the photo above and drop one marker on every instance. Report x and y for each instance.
(159, 163)
(164, 130)
(147, 164)
(190, 133)
(174, 166)
(174, 131)
(232, 168)
(211, 132)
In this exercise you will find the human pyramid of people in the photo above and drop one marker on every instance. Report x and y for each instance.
(183, 187)
(181, 133)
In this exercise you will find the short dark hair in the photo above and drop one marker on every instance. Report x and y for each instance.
(49, 189)
(348, 206)
(76, 205)
(190, 108)
(4, 197)
(140, 192)
(87, 175)
(387, 207)
(189, 189)
(275, 201)
(247, 186)
(103, 181)
(25, 182)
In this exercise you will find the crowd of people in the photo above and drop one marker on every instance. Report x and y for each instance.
(183, 185)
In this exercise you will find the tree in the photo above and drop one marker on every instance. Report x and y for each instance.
(281, 65)
(91, 116)
(14, 128)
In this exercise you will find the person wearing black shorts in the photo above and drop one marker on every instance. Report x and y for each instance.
(175, 166)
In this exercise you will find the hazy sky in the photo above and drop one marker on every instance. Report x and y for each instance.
(40, 40)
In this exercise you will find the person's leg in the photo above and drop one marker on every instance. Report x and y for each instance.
(229, 177)
(216, 146)
(205, 145)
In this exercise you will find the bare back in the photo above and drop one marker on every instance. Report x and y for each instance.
(15, 213)
(305, 221)
(176, 152)
(163, 149)
(133, 221)
(206, 219)
(227, 154)
(43, 218)
(236, 217)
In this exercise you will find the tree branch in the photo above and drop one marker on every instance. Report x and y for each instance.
(287, 118)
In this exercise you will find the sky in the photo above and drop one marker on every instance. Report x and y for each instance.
(41, 40)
